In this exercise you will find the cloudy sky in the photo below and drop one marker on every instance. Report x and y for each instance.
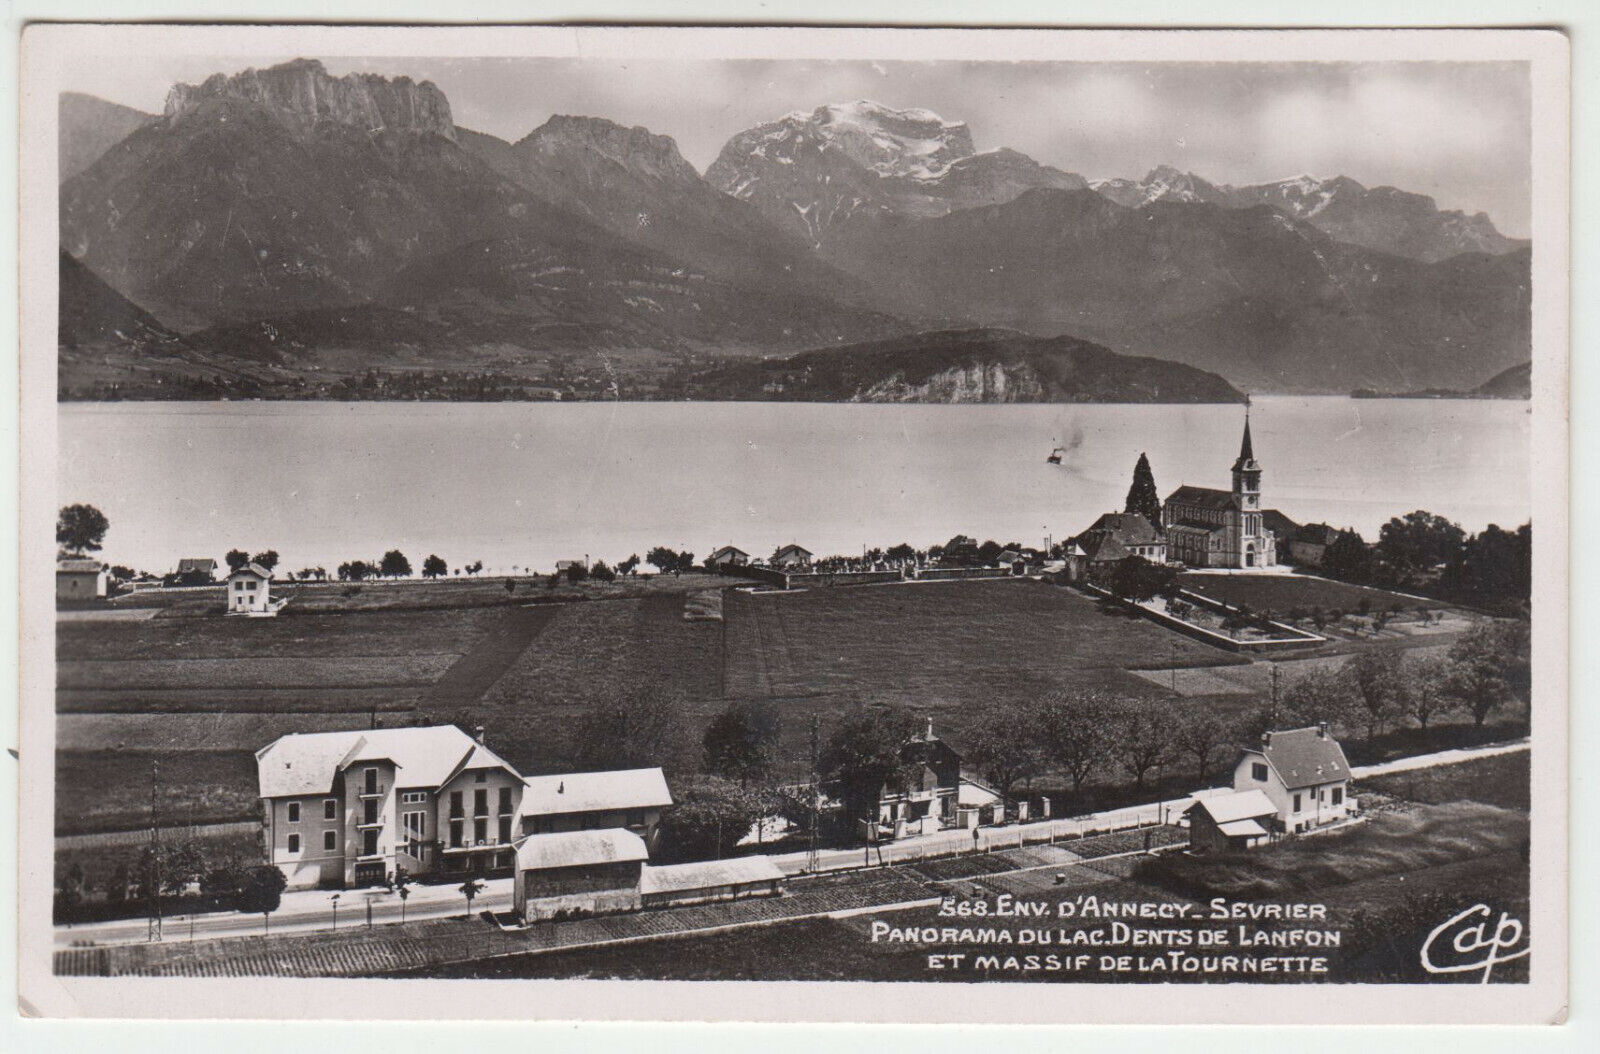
(1456, 131)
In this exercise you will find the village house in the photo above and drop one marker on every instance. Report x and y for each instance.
(249, 592)
(728, 556)
(196, 571)
(1303, 772)
(932, 794)
(627, 799)
(79, 579)
(1118, 535)
(791, 556)
(1230, 822)
(1308, 544)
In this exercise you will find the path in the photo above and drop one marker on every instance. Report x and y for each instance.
(1443, 757)
(464, 683)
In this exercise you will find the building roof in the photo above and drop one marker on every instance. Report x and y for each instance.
(1204, 497)
(1195, 526)
(729, 550)
(1241, 828)
(1304, 757)
(78, 566)
(306, 763)
(1316, 534)
(1247, 452)
(191, 563)
(538, 852)
(1278, 523)
(1129, 528)
(708, 874)
(1101, 547)
(792, 548)
(254, 570)
(595, 792)
(1241, 805)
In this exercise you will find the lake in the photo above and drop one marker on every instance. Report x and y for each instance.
(526, 484)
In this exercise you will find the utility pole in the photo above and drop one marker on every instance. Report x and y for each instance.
(153, 929)
(812, 858)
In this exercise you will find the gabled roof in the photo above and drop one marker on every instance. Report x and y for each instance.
(1241, 805)
(1278, 523)
(306, 763)
(708, 874)
(1101, 547)
(578, 848)
(595, 792)
(1316, 534)
(252, 569)
(792, 548)
(1304, 757)
(729, 550)
(1205, 497)
(1129, 528)
(192, 563)
(78, 566)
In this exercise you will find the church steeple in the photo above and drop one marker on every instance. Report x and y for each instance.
(1247, 471)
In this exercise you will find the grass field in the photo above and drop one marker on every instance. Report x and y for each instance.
(1502, 780)
(1280, 593)
(110, 790)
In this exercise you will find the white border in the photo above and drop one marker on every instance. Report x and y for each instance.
(1543, 1000)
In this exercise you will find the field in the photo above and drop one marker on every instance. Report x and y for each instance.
(1502, 780)
(1280, 593)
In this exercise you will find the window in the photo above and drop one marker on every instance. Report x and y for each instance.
(294, 843)
(330, 840)
(1258, 772)
(294, 812)
(369, 811)
(369, 843)
(455, 804)
(505, 800)
(413, 797)
(482, 777)
(250, 585)
(480, 802)
(455, 834)
(1338, 795)
(415, 825)
(330, 808)
(371, 784)
(1296, 803)
(480, 831)
(505, 828)
(237, 586)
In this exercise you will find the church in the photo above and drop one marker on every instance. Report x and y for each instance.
(1221, 528)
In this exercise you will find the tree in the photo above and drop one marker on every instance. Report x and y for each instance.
(1142, 496)
(902, 553)
(1479, 663)
(268, 559)
(434, 566)
(709, 816)
(262, 891)
(602, 573)
(662, 559)
(1135, 578)
(236, 559)
(354, 571)
(470, 889)
(1418, 542)
(402, 888)
(576, 572)
(1424, 694)
(989, 552)
(629, 566)
(633, 729)
(1322, 693)
(394, 565)
(474, 567)
(1198, 733)
(1142, 738)
(866, 754)
(1376, 675)
(741, 742)
(1076, 733)
(81, 529)
(1348, 558)
(1005, 743)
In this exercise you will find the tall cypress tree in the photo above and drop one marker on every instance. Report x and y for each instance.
(1142, 497)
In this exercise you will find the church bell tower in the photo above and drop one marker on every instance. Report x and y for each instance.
(1247, 472)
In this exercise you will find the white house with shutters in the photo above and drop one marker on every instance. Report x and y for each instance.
(250, 592)
(1303, 772)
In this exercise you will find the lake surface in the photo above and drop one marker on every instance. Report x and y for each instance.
(526, 484)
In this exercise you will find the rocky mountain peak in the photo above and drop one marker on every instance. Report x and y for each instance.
(637, 149)
(302, 93)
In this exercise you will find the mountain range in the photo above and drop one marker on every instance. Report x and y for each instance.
(311, 223)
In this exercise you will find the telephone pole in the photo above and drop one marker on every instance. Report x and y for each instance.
(153, 929)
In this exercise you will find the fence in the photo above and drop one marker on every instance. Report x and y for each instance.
(1300, 638)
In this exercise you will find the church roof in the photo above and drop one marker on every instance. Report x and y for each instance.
(1204, 497)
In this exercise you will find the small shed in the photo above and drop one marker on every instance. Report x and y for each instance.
(708, 880)
(578, 872)
(1227, 822)
(80, 579)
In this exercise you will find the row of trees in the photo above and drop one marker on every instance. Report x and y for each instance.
(1421, 551)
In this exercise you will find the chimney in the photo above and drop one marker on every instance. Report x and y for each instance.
(1322, 730)
(477, 733)
(1266, 738)
(561, 788)
(930, 728)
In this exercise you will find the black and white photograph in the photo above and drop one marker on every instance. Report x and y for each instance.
(791, 511)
